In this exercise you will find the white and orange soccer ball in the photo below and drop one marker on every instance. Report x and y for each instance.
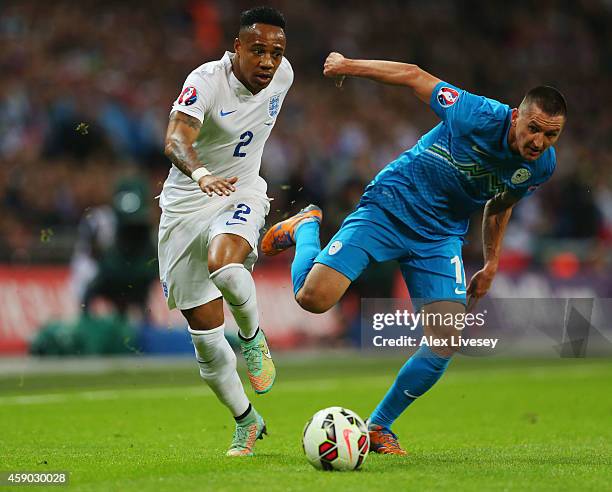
(336, 438)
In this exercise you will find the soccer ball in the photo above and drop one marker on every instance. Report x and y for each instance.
(336, 438)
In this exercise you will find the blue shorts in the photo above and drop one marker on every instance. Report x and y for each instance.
(432, 270)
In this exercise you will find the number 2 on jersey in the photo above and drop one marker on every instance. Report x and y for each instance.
(241, 209)
(245, 139)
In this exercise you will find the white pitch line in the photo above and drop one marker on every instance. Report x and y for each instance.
(155, 392)
(102, 395)
(302, 386)
(32, 399)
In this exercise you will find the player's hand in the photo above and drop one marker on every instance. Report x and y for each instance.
(214, 184)
(334, 68)
(479, 285)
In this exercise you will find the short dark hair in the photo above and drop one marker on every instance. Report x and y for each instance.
(263, 15)
(548, 99)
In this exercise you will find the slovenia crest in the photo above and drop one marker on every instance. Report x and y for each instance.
(520, 176)
(274, 105)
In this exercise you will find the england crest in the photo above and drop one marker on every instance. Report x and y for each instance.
(274, 105)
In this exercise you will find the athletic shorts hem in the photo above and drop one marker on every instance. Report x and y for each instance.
(249, 240)
(340, 268)
(191, 305)
(431, 300)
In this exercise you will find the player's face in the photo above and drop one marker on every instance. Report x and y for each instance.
(259, 52)
(535, 131)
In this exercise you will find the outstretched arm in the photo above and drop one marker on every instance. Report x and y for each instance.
(494, 221)
(180, 136)
(386, 72)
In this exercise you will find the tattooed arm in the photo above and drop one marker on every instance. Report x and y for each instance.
(182, 133)
(496, 215)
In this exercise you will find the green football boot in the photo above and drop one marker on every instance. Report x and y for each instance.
(260, 366)
(248, 430)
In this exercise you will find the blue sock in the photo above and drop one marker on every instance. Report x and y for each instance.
(418, 374)
(307, 247)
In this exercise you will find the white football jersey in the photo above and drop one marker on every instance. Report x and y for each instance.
(235, 127)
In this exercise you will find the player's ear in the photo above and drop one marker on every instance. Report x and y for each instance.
(236, 45)
(514, 116)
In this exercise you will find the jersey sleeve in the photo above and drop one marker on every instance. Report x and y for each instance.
(532, 183)
(461, 110)
(285, 71)
(196, 96)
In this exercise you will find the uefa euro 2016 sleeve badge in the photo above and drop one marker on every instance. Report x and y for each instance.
(447, 96)
(273, 105)
(188, 96)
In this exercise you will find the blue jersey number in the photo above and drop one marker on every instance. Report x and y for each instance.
(245, 139)
(241, 209)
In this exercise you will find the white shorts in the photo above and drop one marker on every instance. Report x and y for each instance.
(184, 241)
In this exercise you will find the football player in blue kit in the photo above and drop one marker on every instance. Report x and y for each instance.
(417, 209)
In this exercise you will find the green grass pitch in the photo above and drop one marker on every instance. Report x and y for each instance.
(488, 425)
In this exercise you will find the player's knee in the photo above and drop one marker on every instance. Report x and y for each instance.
(216, 262)
(312, 300)
(225, 249)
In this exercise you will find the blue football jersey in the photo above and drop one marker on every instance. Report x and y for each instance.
(456, 167)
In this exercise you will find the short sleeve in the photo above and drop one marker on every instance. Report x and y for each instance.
(285, 74)
(290, 73)
(196, 96)
(462, 110)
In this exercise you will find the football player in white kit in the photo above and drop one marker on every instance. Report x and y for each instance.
(214, 203)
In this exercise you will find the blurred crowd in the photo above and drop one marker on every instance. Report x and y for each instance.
(86, 88)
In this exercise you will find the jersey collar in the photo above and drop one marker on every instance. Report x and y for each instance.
(516, 158)
(506, 132)
(237, 87)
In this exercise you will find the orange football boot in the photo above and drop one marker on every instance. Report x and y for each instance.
(384, 441)
(281, 235)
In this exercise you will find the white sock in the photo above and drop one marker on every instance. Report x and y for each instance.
(217, 363)
(238, 288)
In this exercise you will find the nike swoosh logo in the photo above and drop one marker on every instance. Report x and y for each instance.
(459, 291)
(268, 124)
(229, 112)
(347, 434)
(233, 223)
(267, 354)
(475, 148)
